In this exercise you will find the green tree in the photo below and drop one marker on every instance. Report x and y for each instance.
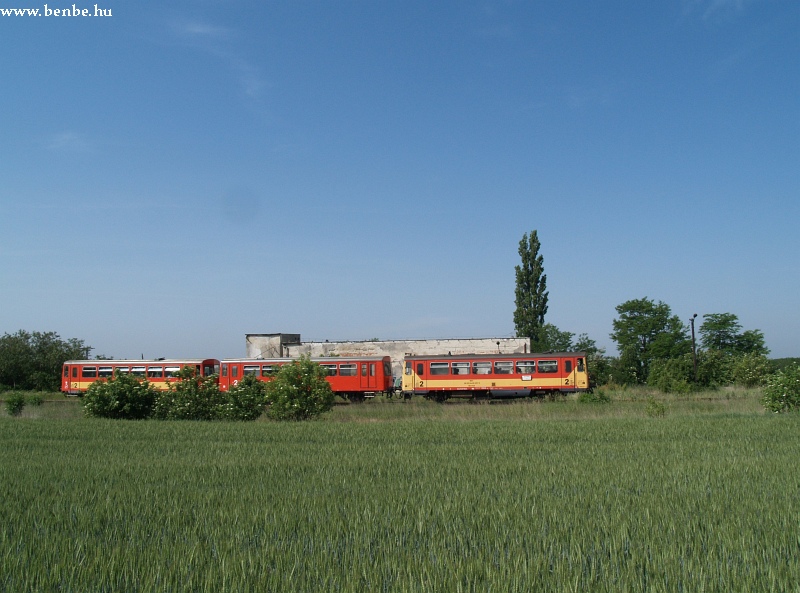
(33, 360)
(123, 397)
(751, 341)
(646, 331)
(299, 391)
(531, 291)
(551, 339)
(722, 331)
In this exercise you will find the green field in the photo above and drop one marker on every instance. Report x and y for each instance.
(392, 496)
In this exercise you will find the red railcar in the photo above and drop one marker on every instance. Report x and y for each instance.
(77, 375)
(351, 378)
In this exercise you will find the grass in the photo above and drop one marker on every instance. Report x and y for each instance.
(407, 496)
(626, 402)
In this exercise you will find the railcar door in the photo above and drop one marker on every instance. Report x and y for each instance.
(369, 372)
(420, 377)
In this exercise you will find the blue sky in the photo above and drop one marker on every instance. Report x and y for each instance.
(183, 173)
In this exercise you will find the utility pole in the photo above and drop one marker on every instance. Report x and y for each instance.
(694, 349)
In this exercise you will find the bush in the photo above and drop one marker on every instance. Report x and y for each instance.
(246, 401)
(35, 399)
(750, 370)
(714, 368)
(596, 396)
(15, 403)
(782, 393)
(672, 375)
(124, 397)
(623, 370)
(191, 397)
(299, 391)
(655, 408)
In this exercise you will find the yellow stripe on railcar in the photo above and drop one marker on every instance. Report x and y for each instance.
(502, 375)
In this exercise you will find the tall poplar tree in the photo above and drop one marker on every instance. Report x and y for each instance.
(531, 291)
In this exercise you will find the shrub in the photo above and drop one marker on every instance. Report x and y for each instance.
(15, 403)
(782, 393)
(673, 375)
(246, 401)
(623, 370)
(750, 370)
(599, 368)
(124, 397)
(655, 408)
(191, 397)
(596, 396)
(299, 391)
(714, 368)
(35, 399)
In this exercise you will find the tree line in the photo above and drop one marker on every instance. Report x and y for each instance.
(33, 360)
(655, 347)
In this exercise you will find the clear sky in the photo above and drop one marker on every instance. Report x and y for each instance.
(179, 174)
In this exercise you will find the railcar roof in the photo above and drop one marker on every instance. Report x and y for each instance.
(516, 356)
(319, 359)
(140, 361)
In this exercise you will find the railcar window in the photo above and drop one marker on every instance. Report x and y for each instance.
(137, 371)
(364, 370)
(234, 370)
(330, 369)
(66, 372)
(503, 367)
(460, 368)
(266, 370)
(420, 369)
(548, 366)
(526, 367)
(224, 370)
(74, 372)
(580, 365)
(105, 372)
(372, 369)
(123, 370)
(250, 370)
(440, 368)
(387, 368)
(155, 372)
(172, 371)
(408, 368)
(481, 368)
(348, 370)
(567, 366)
(89, 372)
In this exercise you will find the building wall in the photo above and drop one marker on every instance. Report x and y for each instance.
(269, 345)
(259, 345)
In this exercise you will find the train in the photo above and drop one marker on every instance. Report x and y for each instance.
(353, 379)
(78, 375)
(438, 377)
